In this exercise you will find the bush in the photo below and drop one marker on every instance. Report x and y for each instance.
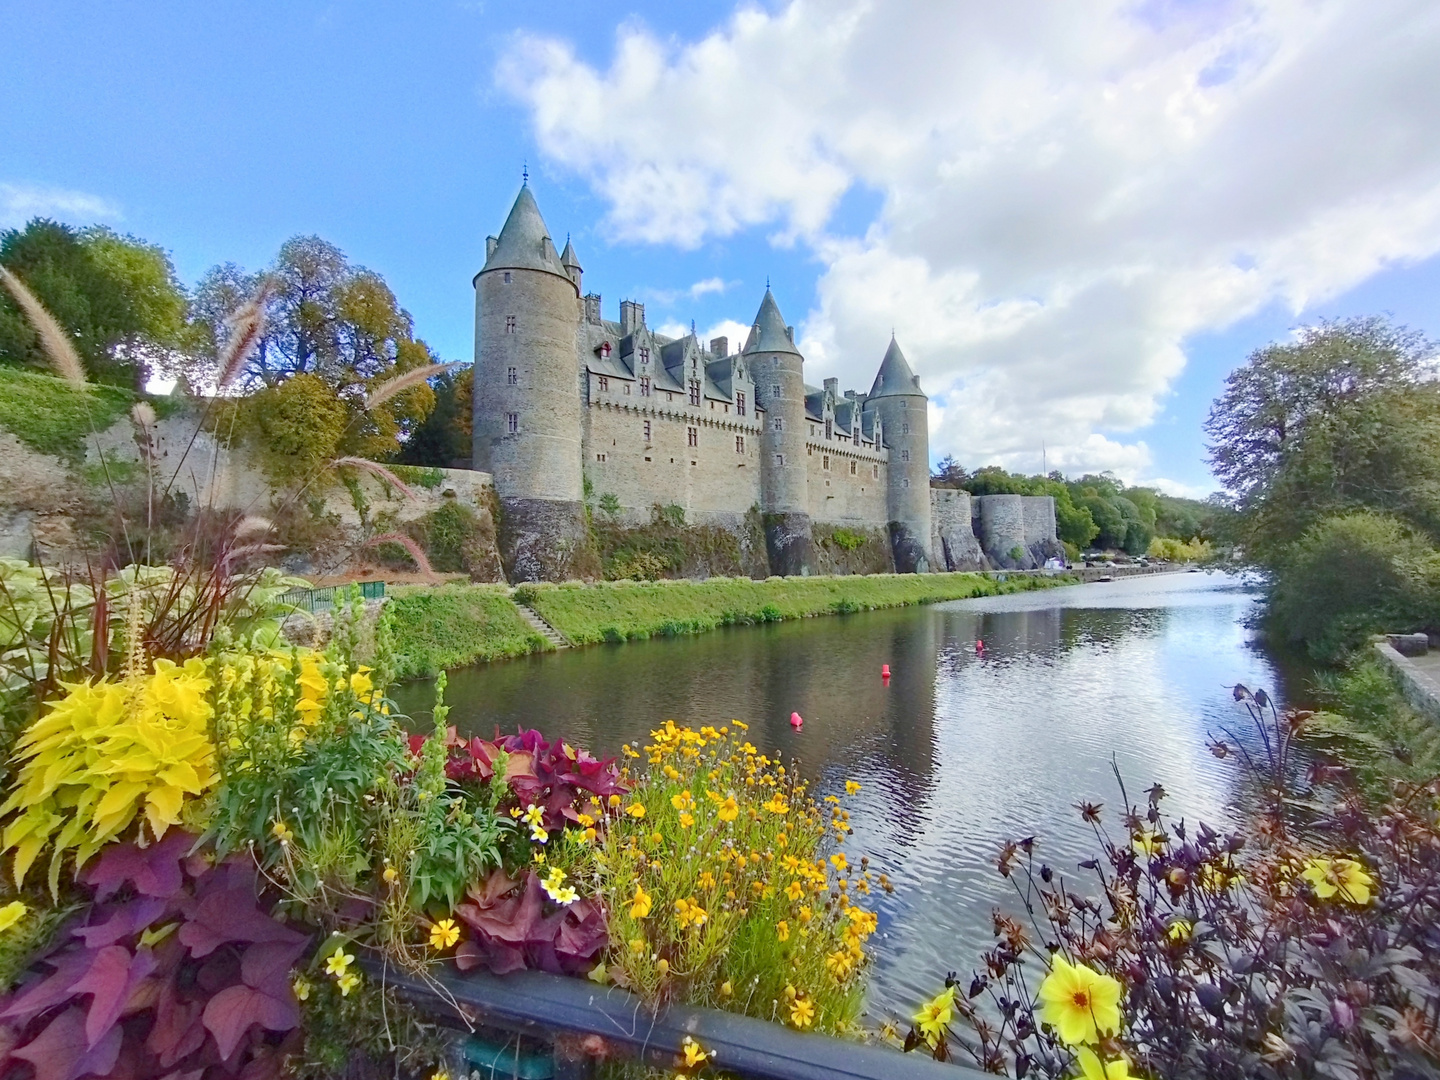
(294, 427)
(1172, 550)
(1353, 575)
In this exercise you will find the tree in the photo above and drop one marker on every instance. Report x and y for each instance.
(117, 295)
(444, 438)
(326, 318)
(948, 473)
(1271, 401)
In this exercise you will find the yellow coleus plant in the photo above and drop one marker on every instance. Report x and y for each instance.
(106, 754)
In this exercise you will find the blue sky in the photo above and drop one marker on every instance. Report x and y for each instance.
(966, 195)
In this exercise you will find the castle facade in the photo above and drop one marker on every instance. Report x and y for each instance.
(567, 402)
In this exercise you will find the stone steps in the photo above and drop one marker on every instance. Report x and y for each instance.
(543, 628)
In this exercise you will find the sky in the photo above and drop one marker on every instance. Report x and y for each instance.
(1076, 218)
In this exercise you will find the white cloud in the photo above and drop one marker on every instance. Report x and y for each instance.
(21, 202)
(1069, 190)
(709, 285)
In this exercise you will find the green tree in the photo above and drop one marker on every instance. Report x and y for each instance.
(326, 318)
(444, 437)
(1109, 521)
(117, 295)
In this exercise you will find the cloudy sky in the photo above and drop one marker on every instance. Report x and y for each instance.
(1077, 217)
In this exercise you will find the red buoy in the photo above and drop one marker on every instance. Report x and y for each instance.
(884, 671)
(979, 646)
(796, 721)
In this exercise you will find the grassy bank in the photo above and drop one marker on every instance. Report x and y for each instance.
(627, 611)
(1373, 729)
(452, 625)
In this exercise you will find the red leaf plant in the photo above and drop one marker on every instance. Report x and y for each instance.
(552, 775)
(173, 971)
(517, 927)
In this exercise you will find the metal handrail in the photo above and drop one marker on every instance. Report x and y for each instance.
(313, 600)
(543, 1005)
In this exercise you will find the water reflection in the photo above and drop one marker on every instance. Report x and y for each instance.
(961, 750)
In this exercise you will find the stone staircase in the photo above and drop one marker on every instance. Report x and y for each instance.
(543, 628)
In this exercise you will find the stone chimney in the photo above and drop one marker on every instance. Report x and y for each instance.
(720, 346)
(832, 389)
(632, 316)
(592, 308)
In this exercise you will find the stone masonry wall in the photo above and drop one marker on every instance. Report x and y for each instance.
(839, 496)
(952, 539)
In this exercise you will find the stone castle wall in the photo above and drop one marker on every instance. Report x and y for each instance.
(952, 538)
(839, 496)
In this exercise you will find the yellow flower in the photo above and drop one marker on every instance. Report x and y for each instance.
(301, 986)
(683, 801)
(12, 913)
(347, 983)
(1091, 1067)
(839, 861)
(794, 890)
(440, 1074)
(444, 934)
(338, 963)
(282, 832)
(689, 913)
(726, 989)
(614, 800)
(694, 1055)
(935, 1016)
(636, 810)
(729, 809)
(641, 904)
(686, 819)
(1147, 842)
(1344, 876)
(534, 815)
(1080, 1004)
(851, 787)
(782, 930)
(361, 684)
(802, 1012)
(1180, 930)
(662, 966)
(390, 875)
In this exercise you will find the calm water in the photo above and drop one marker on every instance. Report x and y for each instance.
(958, 753)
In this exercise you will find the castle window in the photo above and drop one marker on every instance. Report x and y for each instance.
(905, 482)
(775, 390)
(825, 462)
(627, 389)
(779, 423)
(512, 376)
(644, 355)
(509, 324)
(692, 435)
(739, 444)
(694, 391)
(875, 472)
(829, 429)
(739, 402)
(647, 430)
(644, 385)
(809, 451)
(904, 455)
(507, 277)
(780, 460)
(605, 348)
(604, 383)
(599, 457)
(852, 468)
(512, 422)
(904, 429)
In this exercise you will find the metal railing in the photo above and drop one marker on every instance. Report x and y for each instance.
(584, 1021)
(323, 599)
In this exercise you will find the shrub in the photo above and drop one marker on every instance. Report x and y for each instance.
(847, 539)
(1351, 575)
(1173, 550)
(1300, 947)
(720, 892)
(294, 427)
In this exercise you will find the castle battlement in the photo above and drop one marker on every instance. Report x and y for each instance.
(565, 398)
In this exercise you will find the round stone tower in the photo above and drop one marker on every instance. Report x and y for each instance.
(527, 396)
(778, 371)
(901, 405)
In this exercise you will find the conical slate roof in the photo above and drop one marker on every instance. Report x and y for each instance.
(895, 378)
(768, 335)
(524, 242)
(568, 258)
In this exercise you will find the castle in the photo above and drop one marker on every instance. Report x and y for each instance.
(566, 400)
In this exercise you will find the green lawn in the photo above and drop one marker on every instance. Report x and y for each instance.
(49, 415)
(452, 625)
(623, 610)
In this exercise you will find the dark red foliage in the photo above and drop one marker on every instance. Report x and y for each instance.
(173, 972)
(517, 927)
(552, 775)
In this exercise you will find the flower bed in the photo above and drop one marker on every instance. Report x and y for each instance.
(201, 848)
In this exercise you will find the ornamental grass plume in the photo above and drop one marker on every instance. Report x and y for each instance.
(59, 349)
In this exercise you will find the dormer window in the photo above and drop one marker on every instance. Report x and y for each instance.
(644, 355)
(739, 402)
(605, 349)
(829, 429)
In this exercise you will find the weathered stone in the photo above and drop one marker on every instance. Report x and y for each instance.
(1409, 644)
(545, 540)
(787, 541)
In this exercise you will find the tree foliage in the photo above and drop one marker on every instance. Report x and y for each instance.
(117, 295)
(443, 438)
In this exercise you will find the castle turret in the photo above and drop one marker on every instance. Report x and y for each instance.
(527, 412)
(778, 371)
(571, 262)
(901, 405)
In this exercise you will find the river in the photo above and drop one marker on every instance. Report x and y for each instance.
(959, 752)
